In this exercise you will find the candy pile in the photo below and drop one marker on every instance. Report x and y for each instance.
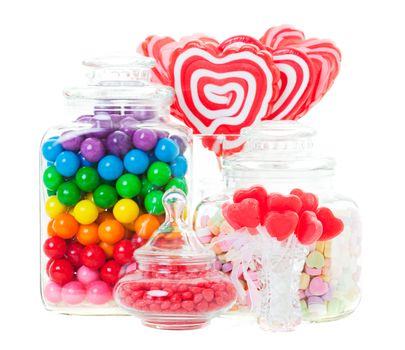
(105, 187)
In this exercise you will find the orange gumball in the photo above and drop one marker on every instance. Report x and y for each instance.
(65, 226)
(111, 231)
(88, 234)
(50, 230)
(145, 225)
(105, 215)
(108, 249)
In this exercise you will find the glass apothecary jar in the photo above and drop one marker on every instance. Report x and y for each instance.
(315, 233)
(102, 181)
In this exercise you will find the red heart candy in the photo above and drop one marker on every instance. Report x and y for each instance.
(246, 213)
(281, 225)
(225, 208)
(309, 200)
(309, 228)
(278, 202)
(332, 226)
(255, 192)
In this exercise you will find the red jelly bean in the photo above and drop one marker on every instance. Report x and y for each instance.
(208, 294)
(187, 305)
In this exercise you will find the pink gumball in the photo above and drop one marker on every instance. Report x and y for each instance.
(73, 292)
(87, 275)
(98, 292)
(52, 292)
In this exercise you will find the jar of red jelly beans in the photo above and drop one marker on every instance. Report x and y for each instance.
(280, 200)
(103, 178)
(176, 285)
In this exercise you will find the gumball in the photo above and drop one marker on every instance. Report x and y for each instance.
(50, 193)
(145, 225)
(105, 215)
(51, 149)
(61, 271)
(93, 256)
(88, 234)
(118, 143)
(68, 193)
(136, 161)
(110, 272)
(153, 203)
(128, 186)
(166, 150)
(144, 139)
(85, 212)
(87, 179)
(90, 197)
(92, 149)
(126, 210)
(52, 292)
(86, 275)
(180, 142)
(73, 293)
(84, 161)
(179, 183)
(52, 179)
(137, 241)
(48, 265)
(108, 248)
(147, 187)
(123, 252)
(105, 196)
(159, 173)
(51, 232)
(110, 168)
(98, 292)
(73, 253)
(67, 163)
(65, 226)
(53, 207)
(71, 141)
(179, 166)
(111, 231)
(54, 247)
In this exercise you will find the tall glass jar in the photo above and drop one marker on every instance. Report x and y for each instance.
(102, 181)
(278, 157)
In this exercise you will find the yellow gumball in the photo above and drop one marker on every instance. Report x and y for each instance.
(90, 197)
(53, 207)
(126, 210)
(85, 212)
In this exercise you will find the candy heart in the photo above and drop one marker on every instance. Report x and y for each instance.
(309, 200)
(225, 208)
(309, 228)
(282, 36)
(318, 286)
(256, 192)
(246, 213)
(279, 202)
(332, 226)
(281, 225)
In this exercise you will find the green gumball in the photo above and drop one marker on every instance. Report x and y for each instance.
(159, 173)
(147, 187)
(87, 179)
(128, 185)
(52, 179)
(153, 203)
(105, 196)
(68, 193)
(178, 182)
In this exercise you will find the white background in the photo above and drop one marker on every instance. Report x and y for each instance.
(360, 121)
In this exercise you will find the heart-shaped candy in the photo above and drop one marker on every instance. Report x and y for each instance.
(309, 200)
(282, 36)
(225, 208)
(281, 225)
(246, 213)
(318, 286)
(332, 226)
(256, 192)
(279, 202)
(309, 228)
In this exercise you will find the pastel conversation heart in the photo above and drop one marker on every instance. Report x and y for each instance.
(256, 192)
(309, 228)
(332, 226)
(246, 213)
(309, 200)
(279, 202)
(281, 225)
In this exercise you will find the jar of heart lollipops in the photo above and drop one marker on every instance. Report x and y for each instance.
(103, 179)
(288, 240)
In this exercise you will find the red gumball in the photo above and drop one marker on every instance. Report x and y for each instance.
(73, 252)
(48, 265)
(137, 241)
(61, 271)
(123, 252)
(110, 272)
(93, 256)
(54, 247)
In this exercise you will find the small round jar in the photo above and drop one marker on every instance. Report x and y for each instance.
(103, 177)
(279, 157)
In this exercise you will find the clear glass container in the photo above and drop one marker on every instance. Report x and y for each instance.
(318, 281)
(102, 181)
(176, 285)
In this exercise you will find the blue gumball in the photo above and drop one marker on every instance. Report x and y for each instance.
(84, 161)
(67, 163)
(136, 161)
(167, 150)
(51, 149)
(110, 167)
(179, 166)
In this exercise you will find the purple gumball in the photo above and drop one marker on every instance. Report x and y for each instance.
(92, 149)
(180, 142)
(118, 143)
(128, 125)
(141, 114)
(71, 141)
(144, 139)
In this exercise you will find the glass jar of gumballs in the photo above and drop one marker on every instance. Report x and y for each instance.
(288, 241)
(103, 178)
